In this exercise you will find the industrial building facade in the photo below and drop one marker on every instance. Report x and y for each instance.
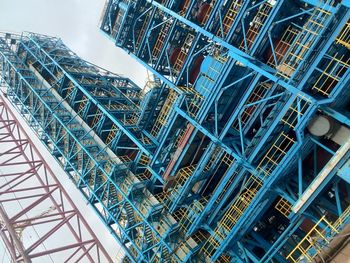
(238, 151)
(250, 127)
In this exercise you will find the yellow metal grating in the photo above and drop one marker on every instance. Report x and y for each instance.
(82, 104)
(249, 190)
(342, 218)
(183, 174)
(142, 31)
(199, 236)
(229, 17)
(96, 118)
(162, 196)
(275, 154)
(207, 14)
(145, 140)
(164, 113)
(185, 7)
(188, 216)
(284, 207)
(112, 133)
(179, 138)
(144, 159)
(296, 111)
(180, 60)
(179, 214)
(255, 25)
(224, 259)
(195, 104)
(304, 40)
(144, 176)
(332, 74)
(312, 244)
(69, 92)
(130, 120)
(213, 157)
(109, 166)
(125, 159)
(210, 246)
(283, 45)
(161, 39)
(344, 36)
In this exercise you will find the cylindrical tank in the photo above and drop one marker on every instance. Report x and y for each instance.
(184, 4)
(281, 49)
(195, 69)
(174, 54)
(320, 126)
(202, 12)
(209, 60)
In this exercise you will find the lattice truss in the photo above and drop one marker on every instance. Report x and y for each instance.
(38, 218)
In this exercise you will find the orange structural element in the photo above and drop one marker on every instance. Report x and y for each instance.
(280, 48)
(174, 55)
(195, 69)
(181, 145)
(203, 13)
(185, 5)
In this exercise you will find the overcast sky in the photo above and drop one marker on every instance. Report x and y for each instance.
(76, 22)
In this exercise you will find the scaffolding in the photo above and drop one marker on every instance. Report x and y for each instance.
(332, 74)
(141, 33)
(284, 207)
(248, 191)
(283, 46)
(296, 111)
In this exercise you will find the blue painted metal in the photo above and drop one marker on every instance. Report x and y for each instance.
(220, 147)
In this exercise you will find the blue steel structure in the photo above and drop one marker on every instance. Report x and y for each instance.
(239, 149)
(252, 129)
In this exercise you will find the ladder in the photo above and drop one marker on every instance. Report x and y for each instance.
(180, 60)
(142, 31)
(305, 39)
(230, 17)
(158, 46)
(255, 25)
(164, 113)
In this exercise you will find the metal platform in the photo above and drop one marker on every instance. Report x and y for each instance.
(239, 150)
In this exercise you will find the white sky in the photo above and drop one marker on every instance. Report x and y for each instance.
(76, 23)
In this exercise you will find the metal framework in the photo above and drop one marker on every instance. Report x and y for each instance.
(245, 86)
(239, 152)
(34, 203)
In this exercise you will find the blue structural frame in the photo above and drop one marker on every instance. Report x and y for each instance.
(246, 170)
(239, 149)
